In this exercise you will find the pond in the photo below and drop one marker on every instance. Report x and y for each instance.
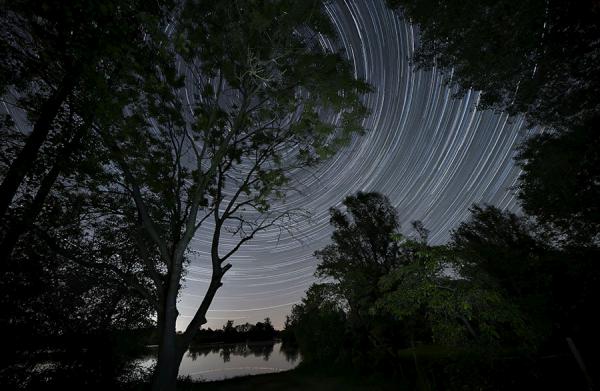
(222, 361)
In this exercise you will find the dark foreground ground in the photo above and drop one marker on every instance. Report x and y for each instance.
(296, 380)
(507, 373)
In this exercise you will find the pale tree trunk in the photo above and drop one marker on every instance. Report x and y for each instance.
(580, 363)
(167, 365)
(169, 352)
(172, 346)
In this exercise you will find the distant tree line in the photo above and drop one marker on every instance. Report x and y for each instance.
(246, 332)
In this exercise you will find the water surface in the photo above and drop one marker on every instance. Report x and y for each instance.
(222, 361)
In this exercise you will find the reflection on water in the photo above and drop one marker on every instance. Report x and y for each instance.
(221, 361)
(263, 350)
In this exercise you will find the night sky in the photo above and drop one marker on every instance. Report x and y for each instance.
(433, 155)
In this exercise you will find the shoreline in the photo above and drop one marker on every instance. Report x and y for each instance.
(298, 379)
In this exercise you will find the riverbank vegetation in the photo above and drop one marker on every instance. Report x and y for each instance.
(498, 307)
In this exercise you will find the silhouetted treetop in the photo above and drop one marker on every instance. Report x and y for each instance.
(534, 57)
(362, 236)
(560, 182)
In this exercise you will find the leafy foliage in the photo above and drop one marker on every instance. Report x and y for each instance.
(67, 66)
(167, 131)
(384, 292)
(500, 295)
(460, 310)
(533, 57)
(319, 325)
(554, 284)
(560, 183)
(254, 98)
(362, 250)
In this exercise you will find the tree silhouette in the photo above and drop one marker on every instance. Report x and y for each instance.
(362, 250)
(383, 291)
(560, 183)
(553, 283)
(533, 57)
(254, 99)
(66, 66)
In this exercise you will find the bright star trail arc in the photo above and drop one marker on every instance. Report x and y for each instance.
(432, 154)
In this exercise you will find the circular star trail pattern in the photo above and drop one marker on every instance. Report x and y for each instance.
(432, 154)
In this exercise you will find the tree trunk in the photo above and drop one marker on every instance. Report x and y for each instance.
(18, 227)
(468, 326)
(580, 363)
(167, 365)
(170, 353)
(26, 158)
(173, 346)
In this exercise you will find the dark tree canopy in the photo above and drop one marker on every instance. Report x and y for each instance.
(67, 67)
(554, 283)
(502, 245)
(364, 249)
(534, 57)
(383, 292)
(503, 249)
(167, 131)
(363, 245)
(560, 182)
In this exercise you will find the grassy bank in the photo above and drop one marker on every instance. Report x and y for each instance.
(303, 378)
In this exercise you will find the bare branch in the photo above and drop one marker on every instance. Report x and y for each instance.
(147, 221)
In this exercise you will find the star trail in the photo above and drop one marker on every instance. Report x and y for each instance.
(432, 154)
